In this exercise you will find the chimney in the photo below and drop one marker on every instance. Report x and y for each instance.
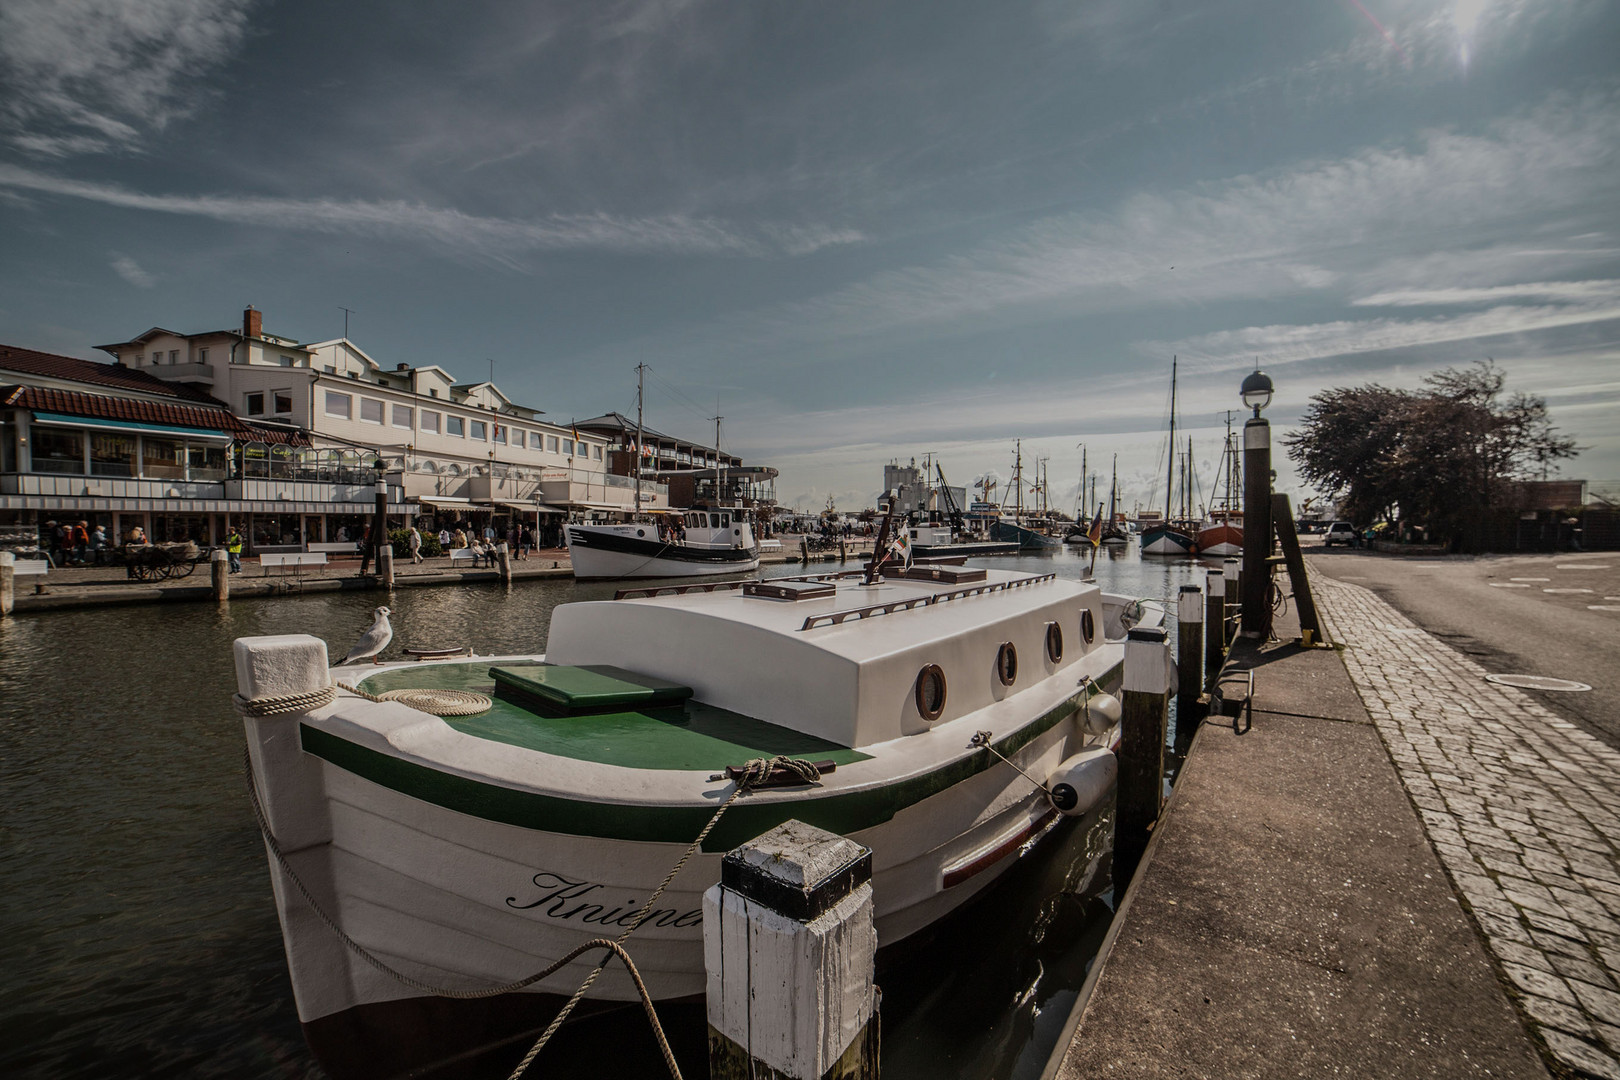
(252, 323)
(402, 367)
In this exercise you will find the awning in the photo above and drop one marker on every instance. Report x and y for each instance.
(530, 508)
(132, 426)
(619, 507)
(446, 500)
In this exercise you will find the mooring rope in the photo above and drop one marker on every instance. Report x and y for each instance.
(754, 772)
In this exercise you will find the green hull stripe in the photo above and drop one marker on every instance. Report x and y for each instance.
(843, 814)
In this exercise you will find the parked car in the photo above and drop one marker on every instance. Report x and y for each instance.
(1340, 532)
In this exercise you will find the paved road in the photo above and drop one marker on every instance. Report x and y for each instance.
(1507, 625)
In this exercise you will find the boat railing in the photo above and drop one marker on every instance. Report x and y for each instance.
(834, 618)
(679, 590)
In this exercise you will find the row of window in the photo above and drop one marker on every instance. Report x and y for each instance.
(78, 453)
(373, 411)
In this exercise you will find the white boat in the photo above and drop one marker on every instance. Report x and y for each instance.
(471, 851)
(713, 542)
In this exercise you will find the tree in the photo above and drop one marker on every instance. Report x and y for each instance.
(1438, 456)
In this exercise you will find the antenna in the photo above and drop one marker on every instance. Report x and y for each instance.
(346, 313)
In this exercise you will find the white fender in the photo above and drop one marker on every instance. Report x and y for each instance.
(1102, 715)
(1081, 782)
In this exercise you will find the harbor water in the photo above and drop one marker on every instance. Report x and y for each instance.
(140, 937)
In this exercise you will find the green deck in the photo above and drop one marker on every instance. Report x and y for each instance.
(595, 688)
(685, 736)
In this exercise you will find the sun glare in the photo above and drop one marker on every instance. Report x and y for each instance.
(1466, 16)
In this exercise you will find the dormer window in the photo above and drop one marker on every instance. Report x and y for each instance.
(433, 393)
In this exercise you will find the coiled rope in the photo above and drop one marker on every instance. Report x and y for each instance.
(754, 772)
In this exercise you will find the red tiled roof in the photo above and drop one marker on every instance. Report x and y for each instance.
(52, 366)
(104, 407)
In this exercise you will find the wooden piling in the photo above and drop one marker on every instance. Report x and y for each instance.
(1189, 661)
(788, 951)
(804, 549)
(1145, 702)
(8, 583)
(1214, 624)
(503, 559)
(843, 550)
(385, 564)
(219, 568)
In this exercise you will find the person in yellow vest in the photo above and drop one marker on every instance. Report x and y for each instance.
(233, 548)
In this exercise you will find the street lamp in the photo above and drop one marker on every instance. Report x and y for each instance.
(1256, 391)
(1256, 590)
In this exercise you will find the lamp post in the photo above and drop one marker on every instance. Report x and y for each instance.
(1256, 393)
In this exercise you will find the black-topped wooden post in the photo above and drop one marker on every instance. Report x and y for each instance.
(8, 582)
(788, 950)
(219, 571)
(1189, 661)
(1141, 749)
(1214, 624)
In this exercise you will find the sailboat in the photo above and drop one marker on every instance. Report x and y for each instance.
(1019, 529)
(1077, 534)
(1222, 534)
(706, 540)
(1167, 537)
(1113, 534)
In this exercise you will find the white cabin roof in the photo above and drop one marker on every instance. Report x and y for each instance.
(851, 683)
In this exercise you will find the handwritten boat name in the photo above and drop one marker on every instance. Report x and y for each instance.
(573, 901)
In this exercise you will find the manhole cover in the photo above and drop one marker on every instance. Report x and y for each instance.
(1535, 682)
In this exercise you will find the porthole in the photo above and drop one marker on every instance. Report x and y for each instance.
(1088, 627)
(641, 532)
(931, 692)
(1054, 642)
(1007, 663)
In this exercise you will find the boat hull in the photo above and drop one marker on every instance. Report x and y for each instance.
(1220, 539)
(597, 554)
(969, 550)
(1026, 539)
(1163, 540)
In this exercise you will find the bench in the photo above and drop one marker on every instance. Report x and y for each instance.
(462, 555)
(32, 566)
(296, 559)
(347, 547)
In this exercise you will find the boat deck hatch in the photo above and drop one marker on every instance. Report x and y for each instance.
(790, 590)
(951, 575)
(595, 688)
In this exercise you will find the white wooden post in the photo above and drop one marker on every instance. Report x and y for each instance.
(789, 945)
(8, 582)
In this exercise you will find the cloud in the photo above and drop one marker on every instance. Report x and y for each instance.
(84, 76)
(130, 270)
(468, 235)
(1564, 291)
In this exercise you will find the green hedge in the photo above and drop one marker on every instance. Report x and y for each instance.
(401, 539)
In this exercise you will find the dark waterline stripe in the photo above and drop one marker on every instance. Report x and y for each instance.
(843, 814)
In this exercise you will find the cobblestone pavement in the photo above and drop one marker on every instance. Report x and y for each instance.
(1522, 807)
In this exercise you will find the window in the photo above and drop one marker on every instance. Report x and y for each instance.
(568, 447)
(140, 358)
(255, 404)
(174, 356)
(202, 356)
(433, 393)
(500, 434)
(286, 361)
(337, 404)
(207, 462)
(403, 417)
(551, 443)
(57, 451)
(371, 410)
(478, 430)
(596, 452)
(112, 455)
(454, 425)
(282, 400)
(430, 421)
(163, 459)
(536, 441)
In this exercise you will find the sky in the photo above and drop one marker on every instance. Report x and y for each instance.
(860, 232)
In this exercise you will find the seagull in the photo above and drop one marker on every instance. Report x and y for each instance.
(373, 641)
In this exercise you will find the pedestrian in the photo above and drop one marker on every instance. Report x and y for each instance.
(461, 539)
(489, 534)
(81, 542)
(233, 549)
(99, 545)
(444, 539)
(416, 545)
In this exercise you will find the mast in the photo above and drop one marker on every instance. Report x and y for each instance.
(641, 383)
(1018, 480)
(1081, 512)
(719, 459)
(1113, 491)
(1170, 455)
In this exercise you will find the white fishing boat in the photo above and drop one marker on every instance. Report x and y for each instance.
(951, 715)
(718, 541)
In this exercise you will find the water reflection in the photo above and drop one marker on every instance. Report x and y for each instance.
(140, 936)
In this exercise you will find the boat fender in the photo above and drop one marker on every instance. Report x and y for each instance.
(1103, 714)
(1079, 783)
